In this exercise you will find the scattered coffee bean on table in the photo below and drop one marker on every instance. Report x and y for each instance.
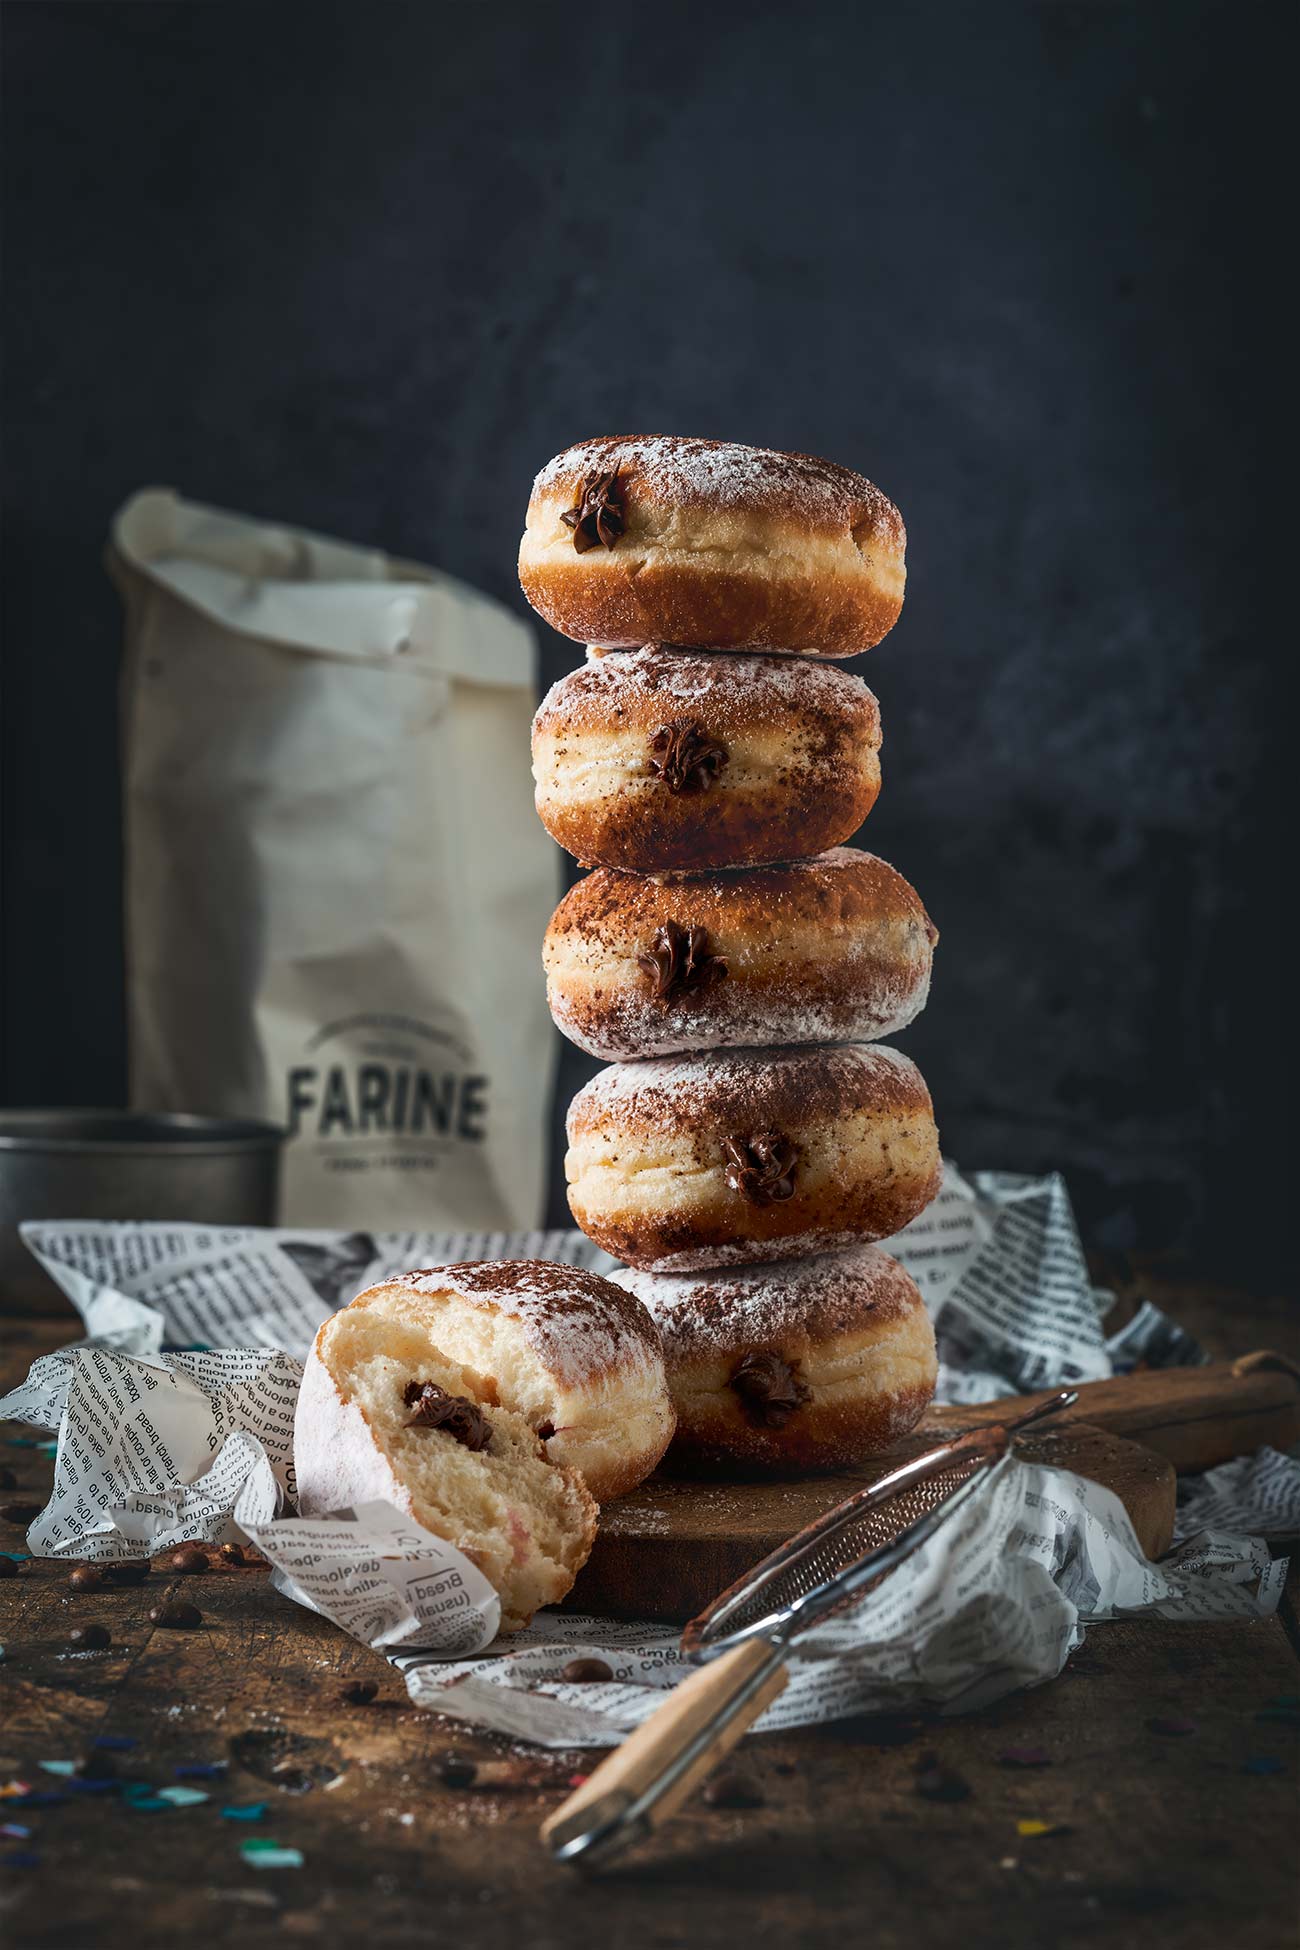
(176, 1618)
(90, 1638)
(457, 1772)
(231, 1554)
(23, 1513)
(586, 1672)
(728, 1790)
(359, 1692)
(86, 1577)
(189, 1561)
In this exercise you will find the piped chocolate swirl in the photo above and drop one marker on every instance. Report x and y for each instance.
(680, 962)
(597, 518)
(761, 1168)
(685, 756)
(769, 1388)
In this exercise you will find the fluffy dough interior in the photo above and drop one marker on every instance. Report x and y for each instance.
(522, 1520)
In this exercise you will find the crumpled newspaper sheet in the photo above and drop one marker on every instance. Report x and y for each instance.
(160, 1442)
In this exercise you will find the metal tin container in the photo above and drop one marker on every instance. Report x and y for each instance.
(120, 1164)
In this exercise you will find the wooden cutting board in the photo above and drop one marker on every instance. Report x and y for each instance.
(669, 1548)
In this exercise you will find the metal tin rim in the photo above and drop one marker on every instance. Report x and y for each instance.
(134, 1133)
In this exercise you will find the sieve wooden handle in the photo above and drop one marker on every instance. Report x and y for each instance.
(711, 1706)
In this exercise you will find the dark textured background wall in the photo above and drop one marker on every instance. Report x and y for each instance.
(366, 266)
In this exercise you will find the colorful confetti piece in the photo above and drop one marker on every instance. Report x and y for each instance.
(22, 1858)
(116, 1743)
(249, 1811)
(9, 1789)
(201, 1770)
(182, 1797)
(14, 1831)
(1263, 1764)
(1036, 1831)
(270, 1855)
(58, 1766)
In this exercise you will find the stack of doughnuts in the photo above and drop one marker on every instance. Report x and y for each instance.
(731, 959)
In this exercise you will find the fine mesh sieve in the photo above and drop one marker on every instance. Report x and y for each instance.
(742, 1640)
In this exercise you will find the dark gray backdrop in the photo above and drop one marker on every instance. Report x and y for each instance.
(366, 266)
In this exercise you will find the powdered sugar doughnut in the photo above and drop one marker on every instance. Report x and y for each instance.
(802, 1365)
(653, 758)
(750, 1155)
(493, 1401)
(673, 540)
(834, 949)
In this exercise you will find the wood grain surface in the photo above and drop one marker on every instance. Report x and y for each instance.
(417, 1830)
(669, 1548)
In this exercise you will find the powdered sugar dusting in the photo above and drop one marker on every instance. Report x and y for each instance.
(734, 687)
(723, 474)
(716, 1313)
(579, 1324)
(672, 1090)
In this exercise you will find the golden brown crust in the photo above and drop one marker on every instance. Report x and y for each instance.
(792, 759)
(833, 949)
(670, 1168)
(824, 1436)
(847, 1342)
(715, 544)
(748, 1089)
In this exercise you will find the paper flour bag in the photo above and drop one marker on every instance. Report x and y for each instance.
(335, 881)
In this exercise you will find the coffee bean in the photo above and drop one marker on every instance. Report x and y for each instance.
(728, 1790)
(23, 1513)
(8, 1569)
(87, 1577)
(89, 1638)
(176, 1618)
(231, 1554)
(187, 1562)
(130, 1571)
(359, 1693)
(586, 1672)
(457, 1772)
(8, 1481)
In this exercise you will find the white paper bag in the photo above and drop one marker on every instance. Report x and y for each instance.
(336, 884)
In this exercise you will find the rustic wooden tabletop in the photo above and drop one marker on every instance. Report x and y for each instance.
(1161, 1808)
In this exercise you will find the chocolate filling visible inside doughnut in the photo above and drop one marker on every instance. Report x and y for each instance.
(761, 1168)
(685, 756)
(769, 1388)
(598, 516)
(436, 1409)
(680, 961)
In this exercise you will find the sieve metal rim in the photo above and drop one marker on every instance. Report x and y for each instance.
(706, 1636)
